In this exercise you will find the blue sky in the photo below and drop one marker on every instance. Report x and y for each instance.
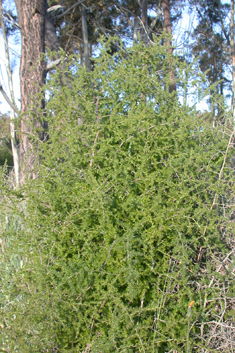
(15, 50)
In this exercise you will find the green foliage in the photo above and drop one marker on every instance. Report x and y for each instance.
(5, 153)
(119, 227)
(5, 142)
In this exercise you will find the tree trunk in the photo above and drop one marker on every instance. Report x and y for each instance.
(51, 40)
(14, 144)
(135, 30)
(31, 17)
(233, 60)
(85, 41)
(168, 30)
(137, 24)
(144, 29)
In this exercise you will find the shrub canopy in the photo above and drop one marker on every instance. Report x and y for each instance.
(118, 228)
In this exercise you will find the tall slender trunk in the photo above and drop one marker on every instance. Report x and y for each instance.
(14, 144)
(168, 29)
(137, 26)
(233, 60)
(144, 29)
(51, 40)
(135, 30)
(85, 41)
(31, 17)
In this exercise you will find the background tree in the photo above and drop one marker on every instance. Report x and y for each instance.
(212, 46)
(168, 29)
(233, 59)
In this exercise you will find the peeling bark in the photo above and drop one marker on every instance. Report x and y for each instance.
(31, 17)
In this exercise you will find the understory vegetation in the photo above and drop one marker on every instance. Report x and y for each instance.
(124, 241)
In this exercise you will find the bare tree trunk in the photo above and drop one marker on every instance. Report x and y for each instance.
(14, 144)
(51, 39)
(144, 30)
(135, 30)
(233, 60)
(168, 30)
(85, 41)
(31, 17)
(136, 23)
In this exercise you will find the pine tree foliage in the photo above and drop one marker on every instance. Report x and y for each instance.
(127, 220)
(211, 43)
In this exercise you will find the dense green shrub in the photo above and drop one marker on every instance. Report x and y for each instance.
(118, 228)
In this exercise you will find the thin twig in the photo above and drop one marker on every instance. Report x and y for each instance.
(220, 176)
(8, 100)
(108, 253)
(70, 8)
